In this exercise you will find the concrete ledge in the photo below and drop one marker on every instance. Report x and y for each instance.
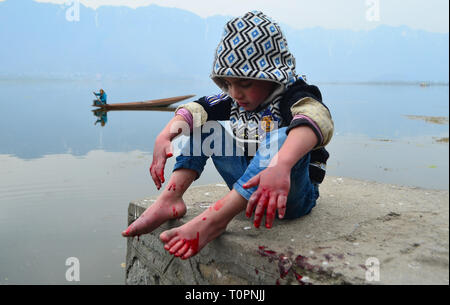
(405, 229)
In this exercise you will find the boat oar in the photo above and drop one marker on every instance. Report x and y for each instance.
(97, 98)
(145, 104)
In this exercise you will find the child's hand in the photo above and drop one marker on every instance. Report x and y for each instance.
(161, 151)
(274, 184)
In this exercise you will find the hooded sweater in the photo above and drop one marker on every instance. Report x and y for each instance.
(254, 47)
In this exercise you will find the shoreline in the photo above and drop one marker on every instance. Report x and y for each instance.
(114, 77)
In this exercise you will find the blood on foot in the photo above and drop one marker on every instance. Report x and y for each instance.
(174, 212)
(193, 244)
(173, 187)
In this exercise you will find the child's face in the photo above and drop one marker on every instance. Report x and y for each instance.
(249, 93)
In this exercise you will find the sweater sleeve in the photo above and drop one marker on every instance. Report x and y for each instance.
(308, 111)
(208, 108)
(193, 113)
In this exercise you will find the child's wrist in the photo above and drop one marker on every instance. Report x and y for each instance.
(281, 163)
(163, 137)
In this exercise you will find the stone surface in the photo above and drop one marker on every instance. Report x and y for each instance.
(356, 227)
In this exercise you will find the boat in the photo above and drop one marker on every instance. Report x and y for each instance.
(150, 108)
(150, 104)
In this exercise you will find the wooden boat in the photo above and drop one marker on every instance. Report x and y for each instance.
(151, 104)
(153, 108)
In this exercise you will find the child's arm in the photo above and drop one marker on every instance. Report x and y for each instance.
(163, 149)
(193, 114)
(274, 182)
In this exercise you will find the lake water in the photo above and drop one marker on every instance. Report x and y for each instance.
(65, 183)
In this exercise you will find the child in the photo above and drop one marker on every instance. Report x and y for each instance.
(262, 91)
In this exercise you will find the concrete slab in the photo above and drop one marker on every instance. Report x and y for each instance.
(360, 232)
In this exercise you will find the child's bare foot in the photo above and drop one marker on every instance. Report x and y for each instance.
(190, 238)
(158, 213)
(187, 240)
(164, 209)
(169, 205)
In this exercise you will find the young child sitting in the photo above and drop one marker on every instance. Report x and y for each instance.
(267, 105)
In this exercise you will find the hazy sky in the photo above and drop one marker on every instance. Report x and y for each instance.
(431, 15)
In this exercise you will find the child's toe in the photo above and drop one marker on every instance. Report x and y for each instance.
(173, 249)
(183, 250)
(189, 253)
(166, 236)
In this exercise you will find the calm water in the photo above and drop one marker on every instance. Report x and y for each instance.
(65, 183)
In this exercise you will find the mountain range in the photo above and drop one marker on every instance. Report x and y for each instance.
(38, 39)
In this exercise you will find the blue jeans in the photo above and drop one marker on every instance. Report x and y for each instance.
(237, 169)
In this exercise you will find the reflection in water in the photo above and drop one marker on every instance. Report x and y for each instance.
(102, 114)
(71, 206)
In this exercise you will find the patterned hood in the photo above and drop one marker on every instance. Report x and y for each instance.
(253, 46)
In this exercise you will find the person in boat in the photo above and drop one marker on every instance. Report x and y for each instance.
(267, 104)
(101, 97)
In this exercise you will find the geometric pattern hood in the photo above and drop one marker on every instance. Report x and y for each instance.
(253, 46)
